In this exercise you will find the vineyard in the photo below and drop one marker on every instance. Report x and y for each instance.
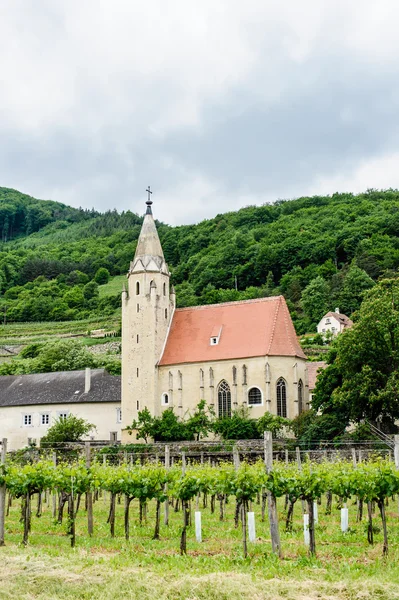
(169, 502)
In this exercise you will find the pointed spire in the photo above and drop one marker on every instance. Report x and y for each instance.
(149, 254)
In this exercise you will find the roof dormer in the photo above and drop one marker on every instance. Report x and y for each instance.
(215, 336)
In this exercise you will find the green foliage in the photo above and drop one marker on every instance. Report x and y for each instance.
(361, 380)
(273, 423)
(346, 240)
(311, 428)
(200, 423)
(237, 427)
(102, 276)
(66, 429)
(315, 299)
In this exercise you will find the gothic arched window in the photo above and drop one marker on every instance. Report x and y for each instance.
(281, 389)
(300, 396)
(137, 288)
(254, 396)
(224, 399)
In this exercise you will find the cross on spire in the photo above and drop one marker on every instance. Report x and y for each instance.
(149, 201)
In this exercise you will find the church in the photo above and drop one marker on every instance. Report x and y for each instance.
(232, 355)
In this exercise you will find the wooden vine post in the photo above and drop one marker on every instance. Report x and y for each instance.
(167, 467)
(185, 511)
(299, 463)
(271, 500)
(3, 492)
(396, 454)
(89, 494)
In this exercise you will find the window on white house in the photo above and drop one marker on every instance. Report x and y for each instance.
(254, 396)
(113, 436)
(27, 420)
(332, 328)
(62, 415)
(119, 415)
(323, 330)
(328, 321)
(165, 399)
(45, 418)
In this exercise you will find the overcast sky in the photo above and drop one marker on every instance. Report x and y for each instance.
(216, 104)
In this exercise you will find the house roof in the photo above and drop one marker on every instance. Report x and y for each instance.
(65, 387)
(261, 327)
(346, 321)
(313, 369)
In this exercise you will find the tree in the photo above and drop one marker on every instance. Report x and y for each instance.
(362, 377)
(102, 276)
(143, 425)
(66, 429)
(90, 290)
(237, 427)
(68, 355)
(200, 423)
(315, 299)
(356, 282)
(273, 423)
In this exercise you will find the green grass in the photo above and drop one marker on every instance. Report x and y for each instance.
(103, 568)
(114, 286)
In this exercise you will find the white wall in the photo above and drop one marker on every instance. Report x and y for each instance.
(102, 414)
(334, 326)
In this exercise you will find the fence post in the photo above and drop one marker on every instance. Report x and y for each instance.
(55, 492)
(396, 455)
(396, 451)
(236, 458)
(299, 463)
(271, 500)
(354, 457)
(183, 462)
(3, 492)
(167, 466)
(89, 495)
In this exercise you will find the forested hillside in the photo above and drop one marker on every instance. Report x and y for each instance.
(22, 215)
(320, 252)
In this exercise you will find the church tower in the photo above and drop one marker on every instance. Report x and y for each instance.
(147, 310)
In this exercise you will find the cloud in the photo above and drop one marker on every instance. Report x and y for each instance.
(215, 104)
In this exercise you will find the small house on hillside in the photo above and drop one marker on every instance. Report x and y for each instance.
(29, 404)
(334, 322)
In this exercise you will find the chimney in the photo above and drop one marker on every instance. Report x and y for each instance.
(87, 380)
(337, 310)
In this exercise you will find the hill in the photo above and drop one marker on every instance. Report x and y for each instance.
(21, 215)
(321, 252)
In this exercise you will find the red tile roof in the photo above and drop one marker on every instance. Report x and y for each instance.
(313, 368)
(346, 321)
(249, 328)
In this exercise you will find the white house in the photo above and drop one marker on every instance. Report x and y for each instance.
(29, 404)
(334, 322)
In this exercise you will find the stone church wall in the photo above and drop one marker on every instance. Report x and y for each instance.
(187, 384)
